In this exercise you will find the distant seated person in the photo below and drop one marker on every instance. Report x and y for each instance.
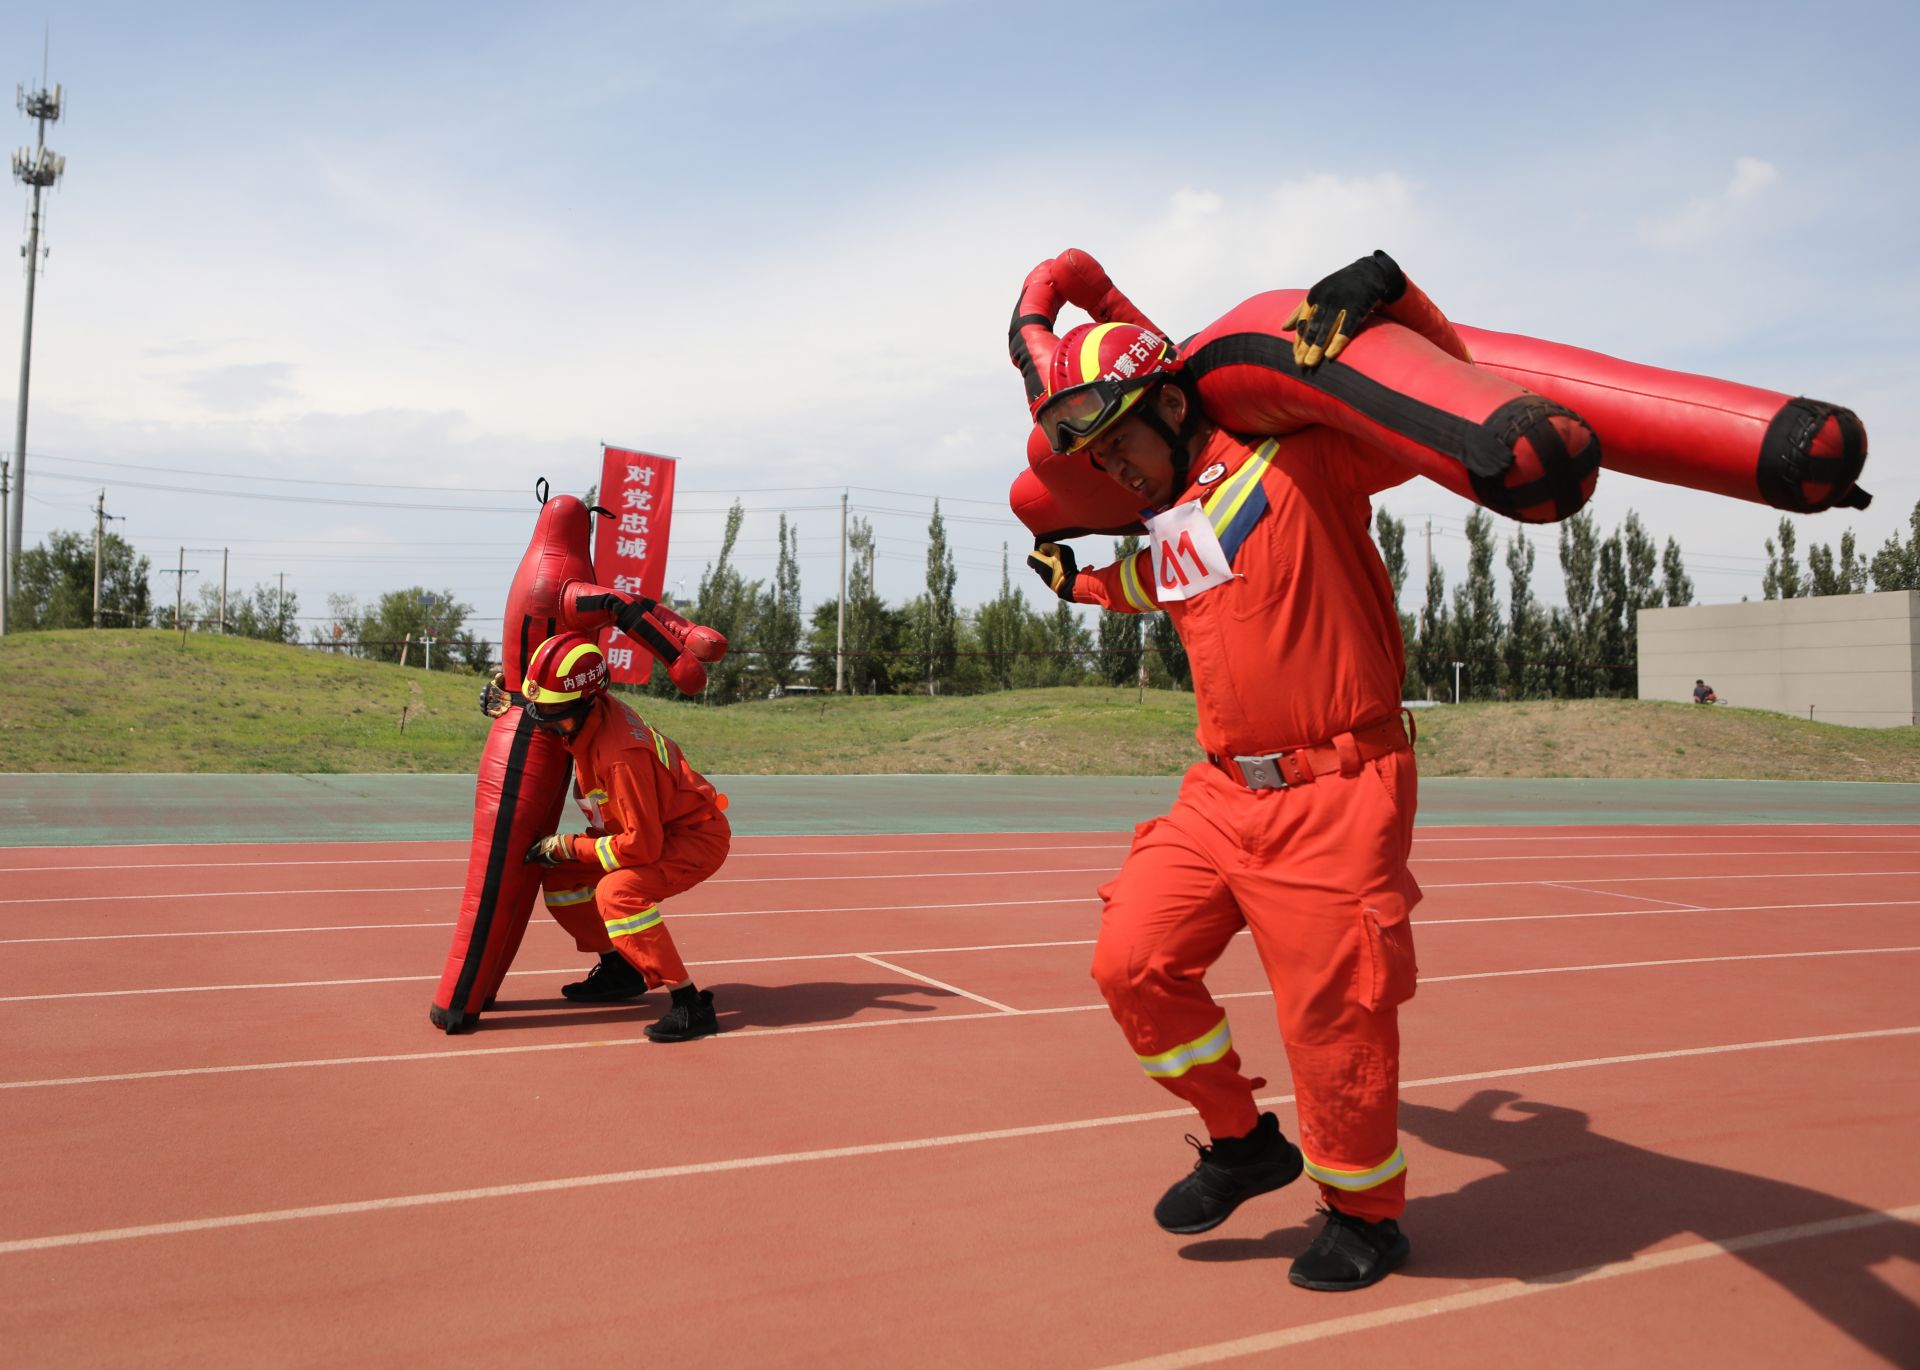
(1703, 693)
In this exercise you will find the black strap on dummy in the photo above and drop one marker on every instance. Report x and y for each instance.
(1787, 466)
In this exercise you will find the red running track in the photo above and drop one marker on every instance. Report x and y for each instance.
(1662, 1107)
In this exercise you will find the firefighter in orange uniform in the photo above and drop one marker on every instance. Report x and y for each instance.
(656, 830)
(1298, 824)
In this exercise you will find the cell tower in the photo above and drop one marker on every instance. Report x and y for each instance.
(39, 167)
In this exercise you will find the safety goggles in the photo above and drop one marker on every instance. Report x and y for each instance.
(552, 715)
(1070, 419)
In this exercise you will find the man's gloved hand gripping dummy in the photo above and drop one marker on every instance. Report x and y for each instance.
(522, 783)
(1516, 424)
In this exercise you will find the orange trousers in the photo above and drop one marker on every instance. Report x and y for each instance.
(619, 910)
(1318, 874)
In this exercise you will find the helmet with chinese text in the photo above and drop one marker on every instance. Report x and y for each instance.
(564, 674)
(1096, 375)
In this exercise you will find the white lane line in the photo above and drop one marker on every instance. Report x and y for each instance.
(678, 918)
(1282, 1338)
(937, 984)
(993, 904)
(1672, 961)
(1648, 913)
(859, 955)
(404, 1201)
(1653, 855)
(1581, 889)
(441, 889)
(182, 1071)
(460, 858)
(1668, 879)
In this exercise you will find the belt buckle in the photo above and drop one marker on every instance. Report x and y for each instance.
(1261, 772)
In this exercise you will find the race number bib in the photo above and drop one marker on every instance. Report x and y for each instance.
(1187, 557)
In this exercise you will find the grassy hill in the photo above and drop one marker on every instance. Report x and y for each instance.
(145, 700)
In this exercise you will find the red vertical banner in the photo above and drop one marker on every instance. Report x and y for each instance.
(630, 548)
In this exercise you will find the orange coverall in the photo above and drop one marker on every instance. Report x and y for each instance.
(655, 830)
(1301, 649)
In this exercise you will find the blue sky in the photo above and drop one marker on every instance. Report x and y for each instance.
(460, 245)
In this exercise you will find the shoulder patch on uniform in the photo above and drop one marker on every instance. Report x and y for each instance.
(1213, 473)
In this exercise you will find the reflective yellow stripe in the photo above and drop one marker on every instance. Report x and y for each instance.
(1353, 1180)
(1201, 1051)
(660, 746)
(1225, 502)
(1130, 585)
(560, 899)
(626, 927)
(604, 850)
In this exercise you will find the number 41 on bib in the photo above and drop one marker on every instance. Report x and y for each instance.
(1187, 556)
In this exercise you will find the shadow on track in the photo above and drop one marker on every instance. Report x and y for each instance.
(1569, 1198)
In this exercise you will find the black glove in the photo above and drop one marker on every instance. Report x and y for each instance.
(1335, 308)
(1054, 563)
(494, 699)
(549, 851)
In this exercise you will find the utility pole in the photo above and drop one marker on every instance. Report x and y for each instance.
(38, 167)
(223, 591)
(100, 517)
(840, 637)
(6, 551)
(280, 611)
(180, 579)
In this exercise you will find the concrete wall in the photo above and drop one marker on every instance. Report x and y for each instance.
(1851, 659)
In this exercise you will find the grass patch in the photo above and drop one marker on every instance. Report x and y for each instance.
(144, 700)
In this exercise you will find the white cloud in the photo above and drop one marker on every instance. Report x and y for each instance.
(1708, 218)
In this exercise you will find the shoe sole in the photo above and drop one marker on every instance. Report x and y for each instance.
(653, 1036)
(1299, 1167)
(1394, 1257)
(602, 998)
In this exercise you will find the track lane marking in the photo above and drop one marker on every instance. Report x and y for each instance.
(1503, 1292)
(1645, 899)
(23, 1245)
(989, 904)
(1223, 996)
(862, 956)
(937, 984)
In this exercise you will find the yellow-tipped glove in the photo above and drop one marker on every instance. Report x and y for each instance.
(494, 699)
(550, 851)
(1055, 564)
(1336, 307)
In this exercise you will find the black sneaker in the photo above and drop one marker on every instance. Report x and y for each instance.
(1227, 1174)
(1350, 1253)
(687, 1019)
(610, 981)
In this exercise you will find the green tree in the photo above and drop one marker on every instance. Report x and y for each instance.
(1676, 585)
(1577, 633)
(400, 622)
(1163, 642)
(936, 622)
(262, 612)
(1782, 577)
(1526, 639)
(777, 625)
(1896, 566)
(725, 602)
(1436, 637)
(1002, 628)
(1119, 635)
(1644, 590)
(1476, 612)
(1613, 616)
(1391, 534)
(53, 584)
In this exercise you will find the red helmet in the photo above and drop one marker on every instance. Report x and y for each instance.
(1097, 373)
(564, 672)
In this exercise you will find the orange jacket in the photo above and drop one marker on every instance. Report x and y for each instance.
(1304, 642)
(635, 786)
